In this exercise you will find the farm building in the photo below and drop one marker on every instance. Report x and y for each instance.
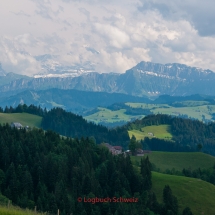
(115, 150)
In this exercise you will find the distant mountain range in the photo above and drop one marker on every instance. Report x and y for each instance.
(72, 100)
(145, 79)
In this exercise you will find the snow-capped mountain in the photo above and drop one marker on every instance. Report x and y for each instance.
(51, 67)
(145, 79)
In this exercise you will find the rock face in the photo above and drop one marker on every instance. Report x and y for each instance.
(145, 79)
(172, 79)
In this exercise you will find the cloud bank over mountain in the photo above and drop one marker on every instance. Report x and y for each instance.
(109, 36)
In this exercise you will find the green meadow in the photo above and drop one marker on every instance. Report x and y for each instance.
(109, 116)
(12, 210)
(158, 131)
(23, 118)
(200, 110)
(194, 109)
(178, 160)
(190, 192)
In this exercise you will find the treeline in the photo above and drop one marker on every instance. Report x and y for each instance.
(188, 135)
(32, 109)
(156, 144)
(203, 174)
(41, 168)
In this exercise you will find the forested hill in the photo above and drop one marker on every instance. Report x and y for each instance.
(41, 168)
(72, 125)
(188, 135)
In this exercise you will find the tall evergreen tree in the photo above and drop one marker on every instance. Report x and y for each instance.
(145, 170)
(170, 201)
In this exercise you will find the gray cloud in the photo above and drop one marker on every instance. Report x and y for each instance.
(123, 33)
(199, 13)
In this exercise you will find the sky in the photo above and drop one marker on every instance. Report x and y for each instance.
(111, 36)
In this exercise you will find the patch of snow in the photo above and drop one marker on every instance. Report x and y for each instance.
(160, 75)
(72, 73)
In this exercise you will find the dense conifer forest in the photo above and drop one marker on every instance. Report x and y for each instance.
(72, 125)
(49, 171)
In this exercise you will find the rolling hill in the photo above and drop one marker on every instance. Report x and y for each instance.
(195, 193)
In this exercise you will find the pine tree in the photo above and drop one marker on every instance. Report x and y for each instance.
(187, 211)
(170, 201)
(145, 170)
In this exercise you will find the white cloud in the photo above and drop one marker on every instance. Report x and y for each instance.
(121, 33)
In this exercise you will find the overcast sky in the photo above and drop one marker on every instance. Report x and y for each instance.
(113, 35)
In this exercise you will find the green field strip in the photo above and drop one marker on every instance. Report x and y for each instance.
(178, 160)
(24, 118)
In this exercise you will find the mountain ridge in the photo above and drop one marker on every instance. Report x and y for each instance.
(144, 79)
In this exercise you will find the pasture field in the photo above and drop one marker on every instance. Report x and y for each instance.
(23, 118)
(12, 210)
(106, 115)
(194, 109)
(178, 160)
(158, 131)
(190, 192)
(200, 110)
(194, 112)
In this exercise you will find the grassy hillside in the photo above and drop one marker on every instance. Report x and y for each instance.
(16, 211)
(23, 118)
(200, 110)
(178, 160)
(195, 193)
(109, 116)
(160, 131)
(12, 210)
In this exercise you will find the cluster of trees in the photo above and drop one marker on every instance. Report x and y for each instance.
(204, 174)
(43, 169)
(188, 135)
